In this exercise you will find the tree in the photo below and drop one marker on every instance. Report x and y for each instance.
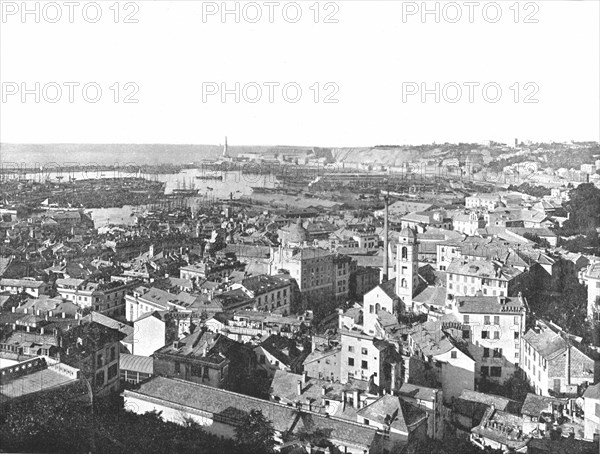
(450, 445)
(584, 210)
(543, 242)
(255, 434)
(60, 421)
(517, 387)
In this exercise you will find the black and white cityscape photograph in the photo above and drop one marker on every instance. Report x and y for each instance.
(300, 227)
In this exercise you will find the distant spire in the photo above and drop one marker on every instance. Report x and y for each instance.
(225, 155)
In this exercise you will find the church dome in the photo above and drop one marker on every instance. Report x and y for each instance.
(409, 233)
(294, 233)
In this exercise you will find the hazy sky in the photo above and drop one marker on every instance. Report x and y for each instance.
(372, 61)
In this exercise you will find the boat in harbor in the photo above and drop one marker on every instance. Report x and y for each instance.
(210, 175)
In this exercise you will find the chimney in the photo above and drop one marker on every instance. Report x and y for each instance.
(42, 330)
(568, 364)
(384, 277)
(343, 400)
(355, 398)
(323, 390)
(13, 309)
(304, 377)
(299, 387)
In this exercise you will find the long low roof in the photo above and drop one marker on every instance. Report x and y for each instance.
(226, 403)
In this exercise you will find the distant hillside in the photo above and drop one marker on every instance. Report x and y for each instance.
(142, 154)
(105, 154)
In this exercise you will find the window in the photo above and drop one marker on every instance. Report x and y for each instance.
(496, 319)
(496, 334)
(351, 361)
(466, 334)
(350, 348)
(177, 367)
(113, 354)
(516, 334)
(100, 379)
(486, 352)
(485, 371)
(371, 309)
(465, 319)
(598, 410)
(496, 371)
(364, 365)
(196, 370)
(364, 351)
(453, 354)
(112, 371)
(497, 353)
(100, 360)
(484, 334)
(486, 320)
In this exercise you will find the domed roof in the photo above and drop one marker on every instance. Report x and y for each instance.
(295, 233)
(409, 233)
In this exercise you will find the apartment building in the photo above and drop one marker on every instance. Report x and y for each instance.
(29, 286)
(210, 269)
(194, 358)
(269, 293)
(435, 351)
(493, 327)
(590, 276)
(367, 358)
(108, 298)
(554, 363)
(94, 349)
(591, 411)
(143, 300)
(491, 278)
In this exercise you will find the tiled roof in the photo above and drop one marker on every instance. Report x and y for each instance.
(535, 404)
(482, 304)
(221, 402)
(418, 392)
(434, 296)
(21, 283)
(592, 392)
(136, 363)
(108, 322)
(546, 342)
(389, 287)
(483, 268)
(499, 402)
(263, 283)
(406, 415)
